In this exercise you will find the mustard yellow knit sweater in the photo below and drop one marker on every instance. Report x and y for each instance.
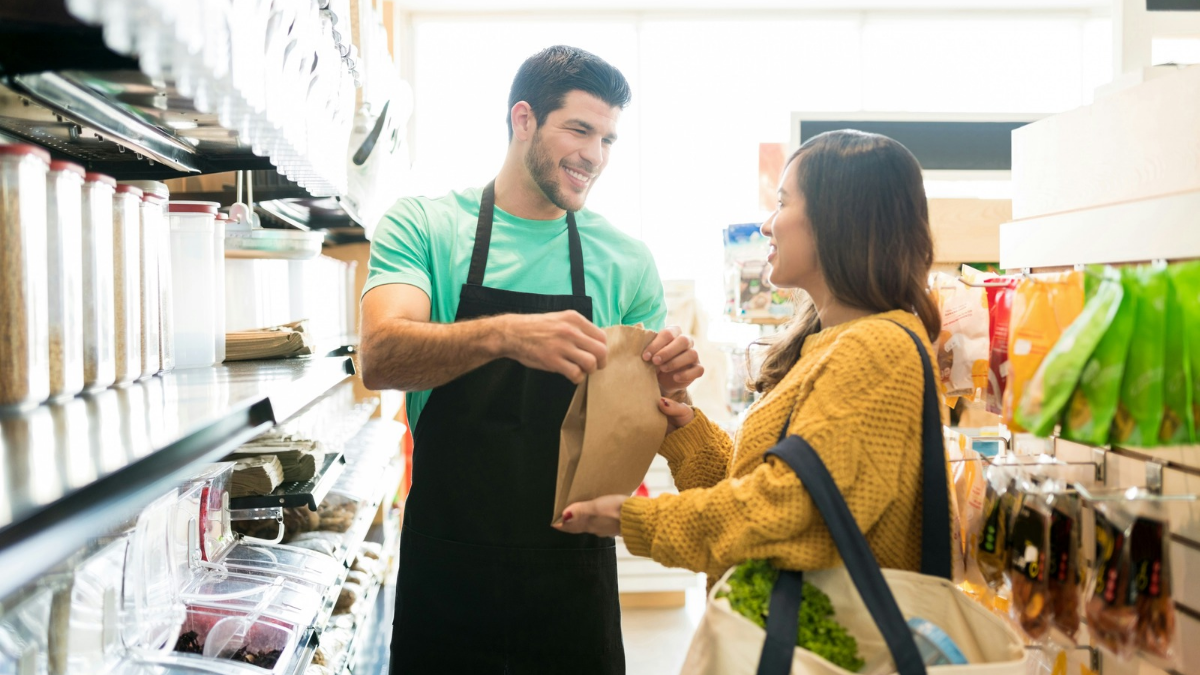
(855, 395)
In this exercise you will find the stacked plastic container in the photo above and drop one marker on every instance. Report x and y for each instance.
(127, 282)
(218, 246)
(159, 345)
(24, 332)
(64, 239)
(194, 285)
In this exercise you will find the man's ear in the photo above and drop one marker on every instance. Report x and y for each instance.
(524, 123)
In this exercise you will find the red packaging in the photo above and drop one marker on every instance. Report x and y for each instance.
(1000, 302)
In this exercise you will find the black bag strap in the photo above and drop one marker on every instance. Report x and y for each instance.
(783, 626)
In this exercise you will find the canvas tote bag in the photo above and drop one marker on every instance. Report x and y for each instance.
(872, 604)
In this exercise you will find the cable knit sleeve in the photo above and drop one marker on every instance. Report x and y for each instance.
(698, 453)
(858, 415)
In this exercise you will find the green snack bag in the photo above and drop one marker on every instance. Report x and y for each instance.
(1050, 389)
(1185, 279)
(1088, 417)
(1140, 413)
(1177, 424)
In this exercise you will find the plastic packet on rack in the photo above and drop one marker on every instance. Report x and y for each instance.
(1140, 413)
(967, 471)
(1112, 606)
(1066, 573)
(1178, 426)
(1000, 503)
(1089, 415)
(1185, 277)
(1001, 292)
(1029, 545)
(1048, 392)
(1151, 580)
(1043, 306)
(963, 344)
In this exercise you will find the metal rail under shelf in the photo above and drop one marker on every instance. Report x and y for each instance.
(75, 468)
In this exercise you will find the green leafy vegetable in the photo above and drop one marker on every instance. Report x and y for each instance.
(749, 594)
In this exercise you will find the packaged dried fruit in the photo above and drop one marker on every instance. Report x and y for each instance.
(1089, 415)
(1112, 608)
(1043, 306)
(1178, 425)
(1048, 392)
(1140, 411)
(963, 344)
(1001, 292)
(1029, 545)
(1152, 581)
(1066, 574)
(1000, 503)
(1185, 279)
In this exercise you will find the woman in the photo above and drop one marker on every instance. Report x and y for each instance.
(852, 230)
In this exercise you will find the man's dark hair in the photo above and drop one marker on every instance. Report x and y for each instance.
(545, 79)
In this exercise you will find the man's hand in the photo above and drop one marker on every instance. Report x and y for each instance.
(559, 342)
(601, 517)
(676, 358)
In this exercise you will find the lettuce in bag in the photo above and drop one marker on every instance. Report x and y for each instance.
(1140, 412)
(1089, 415)
(1185, 281)
(1048, 392)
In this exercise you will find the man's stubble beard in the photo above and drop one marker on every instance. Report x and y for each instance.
(544, 172)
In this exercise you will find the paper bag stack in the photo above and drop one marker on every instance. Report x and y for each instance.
(613, 428)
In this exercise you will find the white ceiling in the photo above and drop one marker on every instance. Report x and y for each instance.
(504, 6)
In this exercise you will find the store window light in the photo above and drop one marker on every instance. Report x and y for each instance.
(1181, 51)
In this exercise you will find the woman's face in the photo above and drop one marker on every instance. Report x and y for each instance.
(793, 254)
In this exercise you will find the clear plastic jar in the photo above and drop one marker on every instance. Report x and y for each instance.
(218, 244)
(151, 209)
(64, 241)
(158, 242)
(193, 287)
(24, 332)
(99, 345)
(127, 281)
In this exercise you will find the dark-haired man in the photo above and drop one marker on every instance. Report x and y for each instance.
(486, 305)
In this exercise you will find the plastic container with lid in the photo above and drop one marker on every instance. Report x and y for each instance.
(151, 609)
(64, 242)
(301, 562)
(202, 530)
(93, 635)
(153, 214)
(24, 635)
(294, 603)
(270, 645)
(218, 247)
(127, 282)
(24, 335)
(99, 347)
(193, 289)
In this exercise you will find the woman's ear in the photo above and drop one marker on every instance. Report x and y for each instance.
(524, 123)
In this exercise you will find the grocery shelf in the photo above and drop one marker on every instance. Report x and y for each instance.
(309, 493)
(71, 469)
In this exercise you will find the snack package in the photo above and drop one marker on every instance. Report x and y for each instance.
(1185, 279)
(970, 488)
(999, 505)
(1066, 574)
(1152, 581)
(1140, 411)
(1043, 306)
(1112, 608)
(1000, 301)
(962, 346)
(1047, 393)
(1178, 425)
(1029, 545)
(749, 294)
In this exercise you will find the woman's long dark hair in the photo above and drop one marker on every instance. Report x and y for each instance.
(865, 199)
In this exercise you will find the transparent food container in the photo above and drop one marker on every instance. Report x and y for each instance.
(202, 529)
(193, 288)
(270, 243)
(232, 591)
(218, 247)
(24, 347)
(157, 194)
(154, 197)
(151, 609)
(24, 635)
(64, 241)
(305, 563)
(99, 349)
(127, 281)
(93, 637)
(270, 646)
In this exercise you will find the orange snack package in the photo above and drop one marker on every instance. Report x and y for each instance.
(1043, 306)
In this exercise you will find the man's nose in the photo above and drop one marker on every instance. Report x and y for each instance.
(593, 152)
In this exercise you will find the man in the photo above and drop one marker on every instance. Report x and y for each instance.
(485, 306)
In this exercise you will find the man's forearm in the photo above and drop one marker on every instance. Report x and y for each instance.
(418, 355)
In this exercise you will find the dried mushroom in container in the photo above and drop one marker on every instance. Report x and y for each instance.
(337, 512)
(1111, 610)
(1029, 546)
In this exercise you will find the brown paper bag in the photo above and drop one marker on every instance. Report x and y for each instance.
(613, 428)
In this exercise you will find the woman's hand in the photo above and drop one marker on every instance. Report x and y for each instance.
(601, 517)
(678, 414)
(675, 357)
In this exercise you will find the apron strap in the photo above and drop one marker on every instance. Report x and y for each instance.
(483, 242)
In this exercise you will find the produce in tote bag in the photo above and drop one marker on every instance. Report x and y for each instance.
(1140, 411)
(1089, 415)
(1111, 610)
(962, 345)
(1048, 392)
(1001, 291)
(1185, 278)
(1178, 426)
(1043, 306)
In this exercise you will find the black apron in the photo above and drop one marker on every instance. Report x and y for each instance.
(486, 585)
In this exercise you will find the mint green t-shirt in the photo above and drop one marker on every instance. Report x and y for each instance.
(427, 243)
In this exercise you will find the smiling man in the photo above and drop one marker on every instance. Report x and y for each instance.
(486, 305)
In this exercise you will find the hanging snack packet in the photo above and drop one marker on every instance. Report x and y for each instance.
(999, 505)
(1111, 609)
(1178, 426)
(1066, 578)
(1000, 301)
(1185, 278)
(962, 345)
(1029, 545)
(1048, 392)
(1089, 415)
(1043, 306)
(1152, 579)
(970, 488)
(1140, 412)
